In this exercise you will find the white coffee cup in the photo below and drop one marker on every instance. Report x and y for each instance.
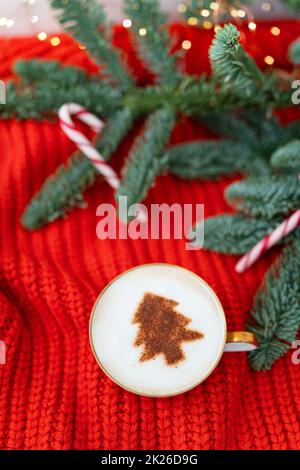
(159, 330)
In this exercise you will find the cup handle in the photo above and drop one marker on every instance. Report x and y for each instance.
(240, 341)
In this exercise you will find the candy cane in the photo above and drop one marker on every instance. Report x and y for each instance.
(85, 145)
(287, 226)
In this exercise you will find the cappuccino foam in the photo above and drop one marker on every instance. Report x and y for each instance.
(120, 329)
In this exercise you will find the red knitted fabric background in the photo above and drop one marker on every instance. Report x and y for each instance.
(52, 393)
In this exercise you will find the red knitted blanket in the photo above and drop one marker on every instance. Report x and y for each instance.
(52, 393)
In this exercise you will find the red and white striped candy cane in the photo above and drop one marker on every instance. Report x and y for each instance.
(287, 226)
(85, 145)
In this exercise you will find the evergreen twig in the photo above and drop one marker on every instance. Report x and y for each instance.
(155, 40)
(145, 160)
(208, 159)
(276, 311)
(287, 156)
(83, 18)
(237, 70)
(253, 196)
(36, 70)
(230, 126)
(234, 234)
(44, 99)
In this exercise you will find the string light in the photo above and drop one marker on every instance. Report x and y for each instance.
(55, 41)
(127, 23)
(192, 21)
(186, 44)
(142, 31)
(216, 28)
(269, 60)
(34, 19)
(207, 24)
(9, 23)
(82, 47)
(181, 8)
(205, 12)
(234, 13)
(241, 13)
(275, 31)
(42, 36)
(252, 26)
(266, 6)
(214, 5)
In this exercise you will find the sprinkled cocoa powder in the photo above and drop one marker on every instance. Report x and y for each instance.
(162, 329)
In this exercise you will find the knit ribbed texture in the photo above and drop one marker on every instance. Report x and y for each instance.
(52, 393)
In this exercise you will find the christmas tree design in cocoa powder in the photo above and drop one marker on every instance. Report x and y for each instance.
(162, 329)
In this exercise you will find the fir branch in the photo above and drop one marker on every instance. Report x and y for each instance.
(25, 104)
(269, 198)
(145, 159)
(50, 71)
(271, 135)
(45, 98)
(236, 69)
(252, 129)
(230, 126)
(83, 18)
(208, 159)
(234, 234)
(64, 189)
(155, 44)
(231, 63)
(194, 96)
(276, 311)
(287, 156)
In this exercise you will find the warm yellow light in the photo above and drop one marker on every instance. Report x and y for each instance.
(205, 12)
(192, 21)
(42, 36)
(217, 27)
(207, 24)
(266, 6)
(55, 41)
(252, 26)
(181, 8)
(234, 13)
(214, 5)
(241, 13)
(186, 44)
(275, 31)
(127, 23)
(3, 20)
(82, 47)
(269, 60)
(142, 31)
